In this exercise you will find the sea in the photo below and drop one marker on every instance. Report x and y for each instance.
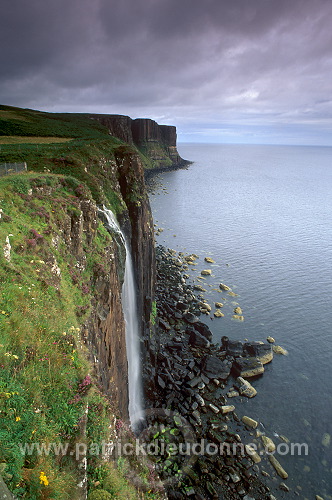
(264, 215)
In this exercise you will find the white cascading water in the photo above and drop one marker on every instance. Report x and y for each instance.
(129, 307)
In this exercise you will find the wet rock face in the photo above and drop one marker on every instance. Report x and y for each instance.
(104, 330)
(104, 333)
(139, 225)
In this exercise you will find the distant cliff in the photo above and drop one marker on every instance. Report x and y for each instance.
(156, 142)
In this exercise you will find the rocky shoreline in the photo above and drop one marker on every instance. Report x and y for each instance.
(151, 175)
(188, 378)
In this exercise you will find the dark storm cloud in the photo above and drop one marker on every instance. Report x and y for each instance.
(214, 63)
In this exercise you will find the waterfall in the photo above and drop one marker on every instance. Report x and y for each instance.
(129, 307)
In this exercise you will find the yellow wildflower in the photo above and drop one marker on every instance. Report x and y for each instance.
(43, 479)
(18, 419)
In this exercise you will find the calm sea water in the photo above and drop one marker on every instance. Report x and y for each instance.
(264, 214)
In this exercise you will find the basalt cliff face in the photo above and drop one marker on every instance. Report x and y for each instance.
(156, 142)
(104, 331)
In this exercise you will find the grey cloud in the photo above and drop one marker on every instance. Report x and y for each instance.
(188, 61)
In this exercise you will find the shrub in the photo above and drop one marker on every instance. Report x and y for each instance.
(20, 185)
(100, 495)
(31, 242)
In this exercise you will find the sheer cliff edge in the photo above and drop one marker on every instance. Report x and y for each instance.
(156, 142)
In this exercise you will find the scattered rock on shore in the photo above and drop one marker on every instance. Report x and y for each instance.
(326, 440)
(250, 422)
(247, 367)
(222, 286)
(245, 388)
(227, 408)
(253, 454)
(280, 350)
(263, 352)
(278, 468)
(238, 317)
(269, 445)
(188, 375)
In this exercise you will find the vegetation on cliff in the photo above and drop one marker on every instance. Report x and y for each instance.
(55, 258)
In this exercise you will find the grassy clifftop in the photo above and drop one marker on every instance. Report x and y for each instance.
(58, 142)
(28, 122)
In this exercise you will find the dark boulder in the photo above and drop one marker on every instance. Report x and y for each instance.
(197, 340)
(214, 367)
(164, 325)
(247, 367)
(203, 329)
(161, 383)
(190, 318)
(181, 306)
(174, 495)
(234, 348)
(258, 350)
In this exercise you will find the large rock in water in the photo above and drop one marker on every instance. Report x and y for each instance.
(213, 367)
(232, 347)
(245, 388)
(247, 367)
(279, 469)
(203, 329)
(263, 352)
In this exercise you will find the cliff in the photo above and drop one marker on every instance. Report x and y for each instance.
(156, 142)
(62, 347)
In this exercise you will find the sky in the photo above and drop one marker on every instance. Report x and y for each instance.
(235, 71)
